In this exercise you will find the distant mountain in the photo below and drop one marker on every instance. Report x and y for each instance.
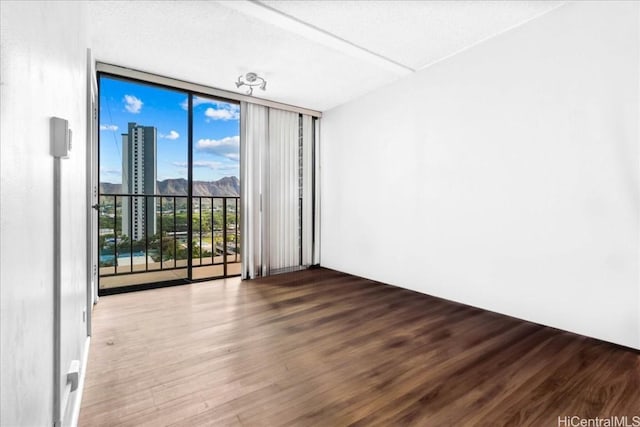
(227, 186)
(109, 188)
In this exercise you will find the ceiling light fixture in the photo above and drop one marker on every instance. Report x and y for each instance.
(251, 80)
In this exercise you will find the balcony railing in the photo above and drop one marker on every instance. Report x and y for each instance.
(145, 233)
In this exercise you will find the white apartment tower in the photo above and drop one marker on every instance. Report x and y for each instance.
(139, 176)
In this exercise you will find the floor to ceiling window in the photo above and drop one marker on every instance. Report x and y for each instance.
(169, 186)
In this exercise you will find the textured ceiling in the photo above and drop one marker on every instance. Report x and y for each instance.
(314, 54)
(413, 33)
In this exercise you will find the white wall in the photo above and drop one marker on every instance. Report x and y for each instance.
(505, 177)
(43, 66)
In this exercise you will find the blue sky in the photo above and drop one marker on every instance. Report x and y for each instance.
(216, 127)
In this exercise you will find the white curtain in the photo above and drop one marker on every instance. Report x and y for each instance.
(282, 191)
(316, 193)
(279, 216)
(253, 147)
(307, 190)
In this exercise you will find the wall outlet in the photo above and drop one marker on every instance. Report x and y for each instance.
(73, 375)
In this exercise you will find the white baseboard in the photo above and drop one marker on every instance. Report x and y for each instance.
(77, 402)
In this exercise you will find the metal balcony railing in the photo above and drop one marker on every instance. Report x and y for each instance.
(143, 233)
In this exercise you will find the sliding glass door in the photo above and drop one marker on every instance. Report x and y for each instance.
(215, 188)
(169, 189)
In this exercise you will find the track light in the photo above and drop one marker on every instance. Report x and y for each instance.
(251, 80)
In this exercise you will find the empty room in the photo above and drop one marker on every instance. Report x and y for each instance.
(320, 213)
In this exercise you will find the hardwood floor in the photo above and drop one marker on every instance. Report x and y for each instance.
(324, 348)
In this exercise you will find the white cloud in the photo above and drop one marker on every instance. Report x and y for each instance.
(208, 164)
(109, 127)
(199, 101)
(132, 104)
(218, 111)
(222, 114)
(108, 171)
(171, 135)
(226, 147)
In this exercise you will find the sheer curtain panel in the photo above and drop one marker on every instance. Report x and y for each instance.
(253, 148)
(282, 190)
(279, 214)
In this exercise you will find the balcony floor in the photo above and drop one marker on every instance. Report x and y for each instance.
(139, 276)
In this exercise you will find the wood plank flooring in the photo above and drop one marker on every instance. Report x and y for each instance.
(323, 348)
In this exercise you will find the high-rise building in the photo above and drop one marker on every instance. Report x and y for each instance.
(139, 176)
